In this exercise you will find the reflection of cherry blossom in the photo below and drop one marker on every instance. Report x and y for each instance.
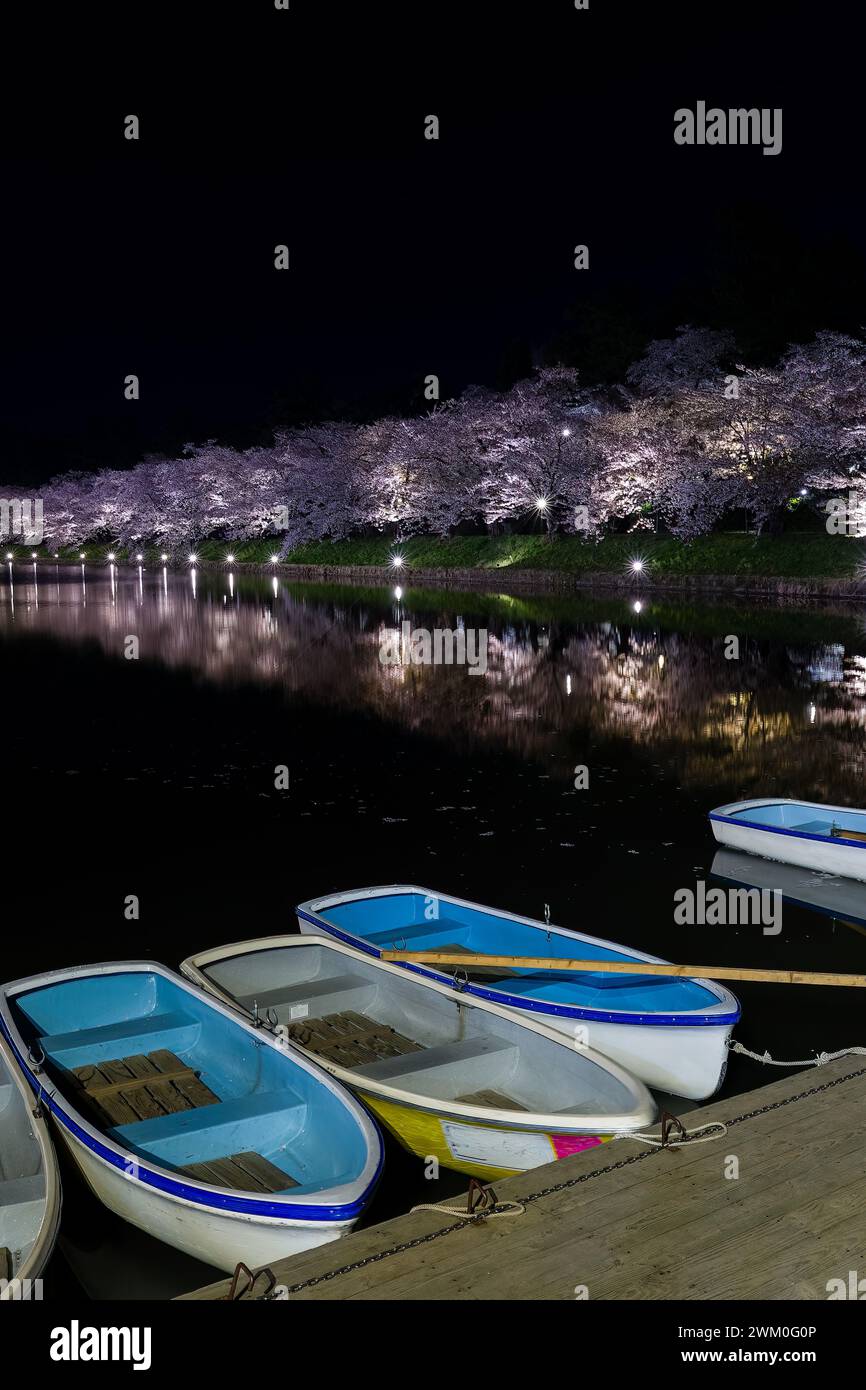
(777, 713)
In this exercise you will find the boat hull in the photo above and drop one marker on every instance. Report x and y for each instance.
(689, 1062)
(216, 1238)
(806, 851)
(19, 1108)
(480, 1150)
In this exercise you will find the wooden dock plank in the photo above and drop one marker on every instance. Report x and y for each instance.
(666, 1225)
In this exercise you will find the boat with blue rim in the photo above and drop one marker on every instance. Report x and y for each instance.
(187, 1120)
(811, 834)
(671, 1033)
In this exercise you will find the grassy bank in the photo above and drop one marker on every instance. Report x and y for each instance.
(801, 555)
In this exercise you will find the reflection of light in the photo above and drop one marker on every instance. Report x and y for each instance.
(397, 561)
(568, 685)
(637, 605)
(812, 712)
(275, 584)
(398, 593)
(661, 662)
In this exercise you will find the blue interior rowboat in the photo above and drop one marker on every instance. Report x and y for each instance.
(810, 834)
(186, 1119)
(671, 1033)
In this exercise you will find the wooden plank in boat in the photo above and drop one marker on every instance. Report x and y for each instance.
(190, 1086)
(454, 948)
(838, 833)
(127, 1089)
(494, 1099)
(350, 1039)
(246, 1172)
(101, 1098)
(5, 1263)
(155, 1097)
(272, 1178)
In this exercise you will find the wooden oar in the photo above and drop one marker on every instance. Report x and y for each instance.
(638, 967)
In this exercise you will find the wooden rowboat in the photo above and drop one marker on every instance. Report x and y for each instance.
(811, 834)
(670, 1033)
(452, 1077)
(29, 1185)
(187, 1121)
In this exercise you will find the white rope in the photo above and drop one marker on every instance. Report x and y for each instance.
(654, 1140)
(513, 1209)
(820, 1061)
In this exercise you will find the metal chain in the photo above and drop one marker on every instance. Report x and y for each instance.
(548, 1191)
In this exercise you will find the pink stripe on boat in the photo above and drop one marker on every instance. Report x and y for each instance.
(565, 1144)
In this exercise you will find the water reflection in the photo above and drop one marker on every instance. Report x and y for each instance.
(843, 899)
(787, 715)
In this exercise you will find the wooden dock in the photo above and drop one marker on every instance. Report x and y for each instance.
(625, 1221)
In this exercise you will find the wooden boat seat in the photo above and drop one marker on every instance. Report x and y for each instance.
(246, 1172)
(127, 1090)
(350, 1039)
(465, 1062)
(838, 833)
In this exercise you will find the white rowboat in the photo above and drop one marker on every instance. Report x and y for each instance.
(670, 1033)
(455, 1078)
(810, 834)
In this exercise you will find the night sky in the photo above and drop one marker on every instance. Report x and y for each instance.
(408, 256)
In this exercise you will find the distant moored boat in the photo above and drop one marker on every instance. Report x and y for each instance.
(808, 833)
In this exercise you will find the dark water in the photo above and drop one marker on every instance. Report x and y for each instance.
(155, 777)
